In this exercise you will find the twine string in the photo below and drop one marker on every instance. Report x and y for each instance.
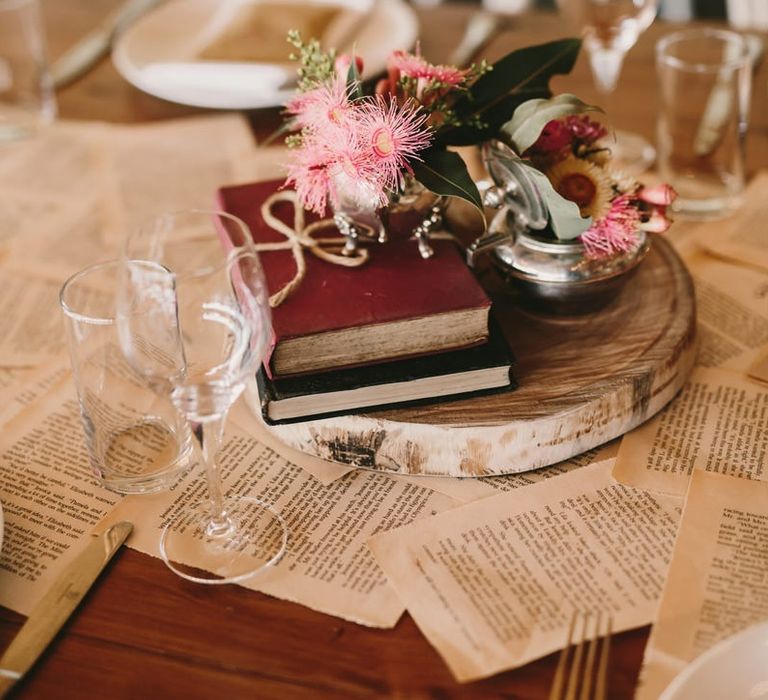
(301, 238)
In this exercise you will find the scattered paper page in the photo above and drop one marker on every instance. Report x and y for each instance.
(178, 164)
(493, 584)
(31, 385)
(50, 497)
(77, 239)
(718, 579)
(31, 329)
(472, 489)
(328, 566)
(718, 423)
(324, 471)
(742, 237)
(732, 307)
(759, 368)
(64, 163)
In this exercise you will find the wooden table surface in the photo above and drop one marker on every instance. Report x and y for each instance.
(143, 632)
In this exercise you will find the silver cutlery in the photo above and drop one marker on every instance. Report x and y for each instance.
(87, 52)
(576, 675)
(55, 607)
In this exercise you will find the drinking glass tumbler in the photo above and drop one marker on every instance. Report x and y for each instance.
(704, 80)
(136, 440)
(26, 90)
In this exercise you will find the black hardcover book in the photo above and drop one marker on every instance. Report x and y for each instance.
(448, 375)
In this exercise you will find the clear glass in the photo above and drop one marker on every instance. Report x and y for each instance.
(611, 28)
(704, 82)
(26, 91)
(136, 441)
(194, 321)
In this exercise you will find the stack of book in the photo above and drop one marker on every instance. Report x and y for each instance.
(398, 330)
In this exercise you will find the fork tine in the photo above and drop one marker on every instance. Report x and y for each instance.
(602, 667)
(589, 665)
(575, 675)
(558, 682)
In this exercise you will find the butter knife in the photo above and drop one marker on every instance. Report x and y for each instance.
(96, 44)
(50, 614)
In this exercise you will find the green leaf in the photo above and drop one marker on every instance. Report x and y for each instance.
(564, 215)
(519, 76)
(530, 118)
(353, 79)
(444, 172)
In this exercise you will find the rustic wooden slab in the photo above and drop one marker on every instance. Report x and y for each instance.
(583, 381)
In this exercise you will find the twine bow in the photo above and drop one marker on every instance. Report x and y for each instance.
(300, 238)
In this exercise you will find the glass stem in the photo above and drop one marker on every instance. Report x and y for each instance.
(208, 436)
(606, 63)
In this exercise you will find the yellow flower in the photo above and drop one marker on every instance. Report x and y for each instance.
(584, 183)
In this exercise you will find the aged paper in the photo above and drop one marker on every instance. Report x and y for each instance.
(718, 423)
(177, 164)
(73, 158)
(472, 489)
(718, 579)
(328, 566)
(78, 239)
(732, 308)
(31, 385)
(493, 584)
(49, 495)
(31, 328)
(743, 236)
(324, 471)
(759, 368)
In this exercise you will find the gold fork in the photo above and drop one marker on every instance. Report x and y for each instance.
(574, 673)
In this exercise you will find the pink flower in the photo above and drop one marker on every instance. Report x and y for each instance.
(323, 108)
(414, 66)
(309, 176)
(660, 195)
(554, 137)
(584, 129)
(615, 232)
(392, 135)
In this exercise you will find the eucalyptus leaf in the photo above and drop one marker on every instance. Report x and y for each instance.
(530, 118)
(354, 82)
(564, 215)
(519, 76)
(444, 172)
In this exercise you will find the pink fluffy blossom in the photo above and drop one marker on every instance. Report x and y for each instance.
(415, 66)
(616, 232)
(324, 108)
(310, 177)
(392, 135)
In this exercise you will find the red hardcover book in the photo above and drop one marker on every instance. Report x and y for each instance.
(396, 305)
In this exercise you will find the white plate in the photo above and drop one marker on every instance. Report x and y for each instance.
(734, 669)
(159, 53)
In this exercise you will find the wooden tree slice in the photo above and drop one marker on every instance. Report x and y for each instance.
(583, 381)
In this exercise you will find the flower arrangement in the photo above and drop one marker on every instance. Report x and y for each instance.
(369, 146)
(603, 208)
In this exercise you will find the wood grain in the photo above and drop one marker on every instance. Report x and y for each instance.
(583, 380)
(144, 633)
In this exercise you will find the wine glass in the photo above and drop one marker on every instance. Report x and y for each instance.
(610, 29)
(193, 320)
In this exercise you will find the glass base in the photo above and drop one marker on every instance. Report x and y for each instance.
(631, 153)
(251, 539)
